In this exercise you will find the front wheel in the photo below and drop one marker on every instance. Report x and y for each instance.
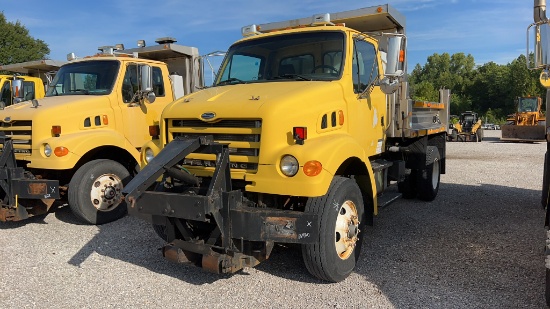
(341, 224)
(428, 178)
(95, 191)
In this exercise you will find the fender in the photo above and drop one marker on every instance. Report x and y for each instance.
(329, 150)
(78, 145)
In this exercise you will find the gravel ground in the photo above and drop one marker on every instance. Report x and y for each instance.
(478, 245)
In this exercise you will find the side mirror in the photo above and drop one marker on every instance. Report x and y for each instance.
(17, 88)
(395, 66)
(146, 78)
(541, 46)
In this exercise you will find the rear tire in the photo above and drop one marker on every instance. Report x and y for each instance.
(428, 179)
(95, 191)
(342, 220)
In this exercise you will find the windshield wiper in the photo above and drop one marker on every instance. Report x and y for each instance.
(231, 81)
(295, 76)
(83, 91)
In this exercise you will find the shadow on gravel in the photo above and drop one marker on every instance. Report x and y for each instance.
(478, 246)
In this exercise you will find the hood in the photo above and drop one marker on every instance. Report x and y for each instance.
(252, 100)
(61, 106)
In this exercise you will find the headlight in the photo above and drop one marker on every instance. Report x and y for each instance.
(149, 155)
(289, 165)
(47, 150)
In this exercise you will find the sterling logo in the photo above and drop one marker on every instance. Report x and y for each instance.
(208, 115)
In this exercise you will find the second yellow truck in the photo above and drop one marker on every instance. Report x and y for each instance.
(81, 143)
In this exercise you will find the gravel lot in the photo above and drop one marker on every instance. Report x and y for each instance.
(478, 245)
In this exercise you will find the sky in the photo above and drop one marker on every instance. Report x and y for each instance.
(489, 30)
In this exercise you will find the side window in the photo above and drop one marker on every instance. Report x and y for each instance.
(302, 64)
(365, 65)
(245, 68)
(158, 83)
(5, 93)
(130, 84)
(28, 91)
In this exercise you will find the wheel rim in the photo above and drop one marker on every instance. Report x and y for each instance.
(435, 173)
(106, 192)
(347, 229)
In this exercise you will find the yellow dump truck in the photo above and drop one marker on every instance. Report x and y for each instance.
(27, 80)
(80, 144)
(307, 126)
(527, 124)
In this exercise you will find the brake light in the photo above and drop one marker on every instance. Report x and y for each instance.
(56, 131)
(154, 131)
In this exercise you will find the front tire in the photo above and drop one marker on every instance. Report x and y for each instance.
(341, 213)
(95, 191)
(428, 179)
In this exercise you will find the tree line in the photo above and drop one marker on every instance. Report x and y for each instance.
(489, 89)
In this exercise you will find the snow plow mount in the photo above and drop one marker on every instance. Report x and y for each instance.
(22, 196)
(214, 226)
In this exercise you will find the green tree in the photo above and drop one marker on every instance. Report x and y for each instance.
(16, 45)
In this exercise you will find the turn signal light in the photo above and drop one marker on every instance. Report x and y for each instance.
(401, 56)
(61, 151)
(312, 168)
(105, 120)
(341, 117)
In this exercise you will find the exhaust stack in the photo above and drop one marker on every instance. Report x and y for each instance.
(539, 12)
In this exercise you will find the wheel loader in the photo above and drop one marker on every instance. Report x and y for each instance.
(527, 124)
(467, 129)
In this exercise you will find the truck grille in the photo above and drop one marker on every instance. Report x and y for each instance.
(21, 133)
(242, 136)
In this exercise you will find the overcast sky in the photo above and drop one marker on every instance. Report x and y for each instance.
(490, 30)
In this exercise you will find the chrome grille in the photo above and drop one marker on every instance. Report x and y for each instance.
(242, 136)
(21, 133)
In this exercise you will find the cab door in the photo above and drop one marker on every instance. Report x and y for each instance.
(137, 113)
(370, 101)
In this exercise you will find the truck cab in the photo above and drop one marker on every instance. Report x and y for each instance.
(31, 80)
(87, 132)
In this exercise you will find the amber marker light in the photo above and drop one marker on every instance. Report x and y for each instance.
(401, 56)
(61, 151)
(105, 120)
(341, 117)
(379, 9)
(56, 131)
(312, 168)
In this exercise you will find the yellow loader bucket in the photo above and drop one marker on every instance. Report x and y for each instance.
(523, 133)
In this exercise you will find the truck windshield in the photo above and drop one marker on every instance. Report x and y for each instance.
(297, 56)
(89, 78)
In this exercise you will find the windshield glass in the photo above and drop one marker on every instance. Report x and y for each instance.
(89, 77)
(298, 56)
(528, 105)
